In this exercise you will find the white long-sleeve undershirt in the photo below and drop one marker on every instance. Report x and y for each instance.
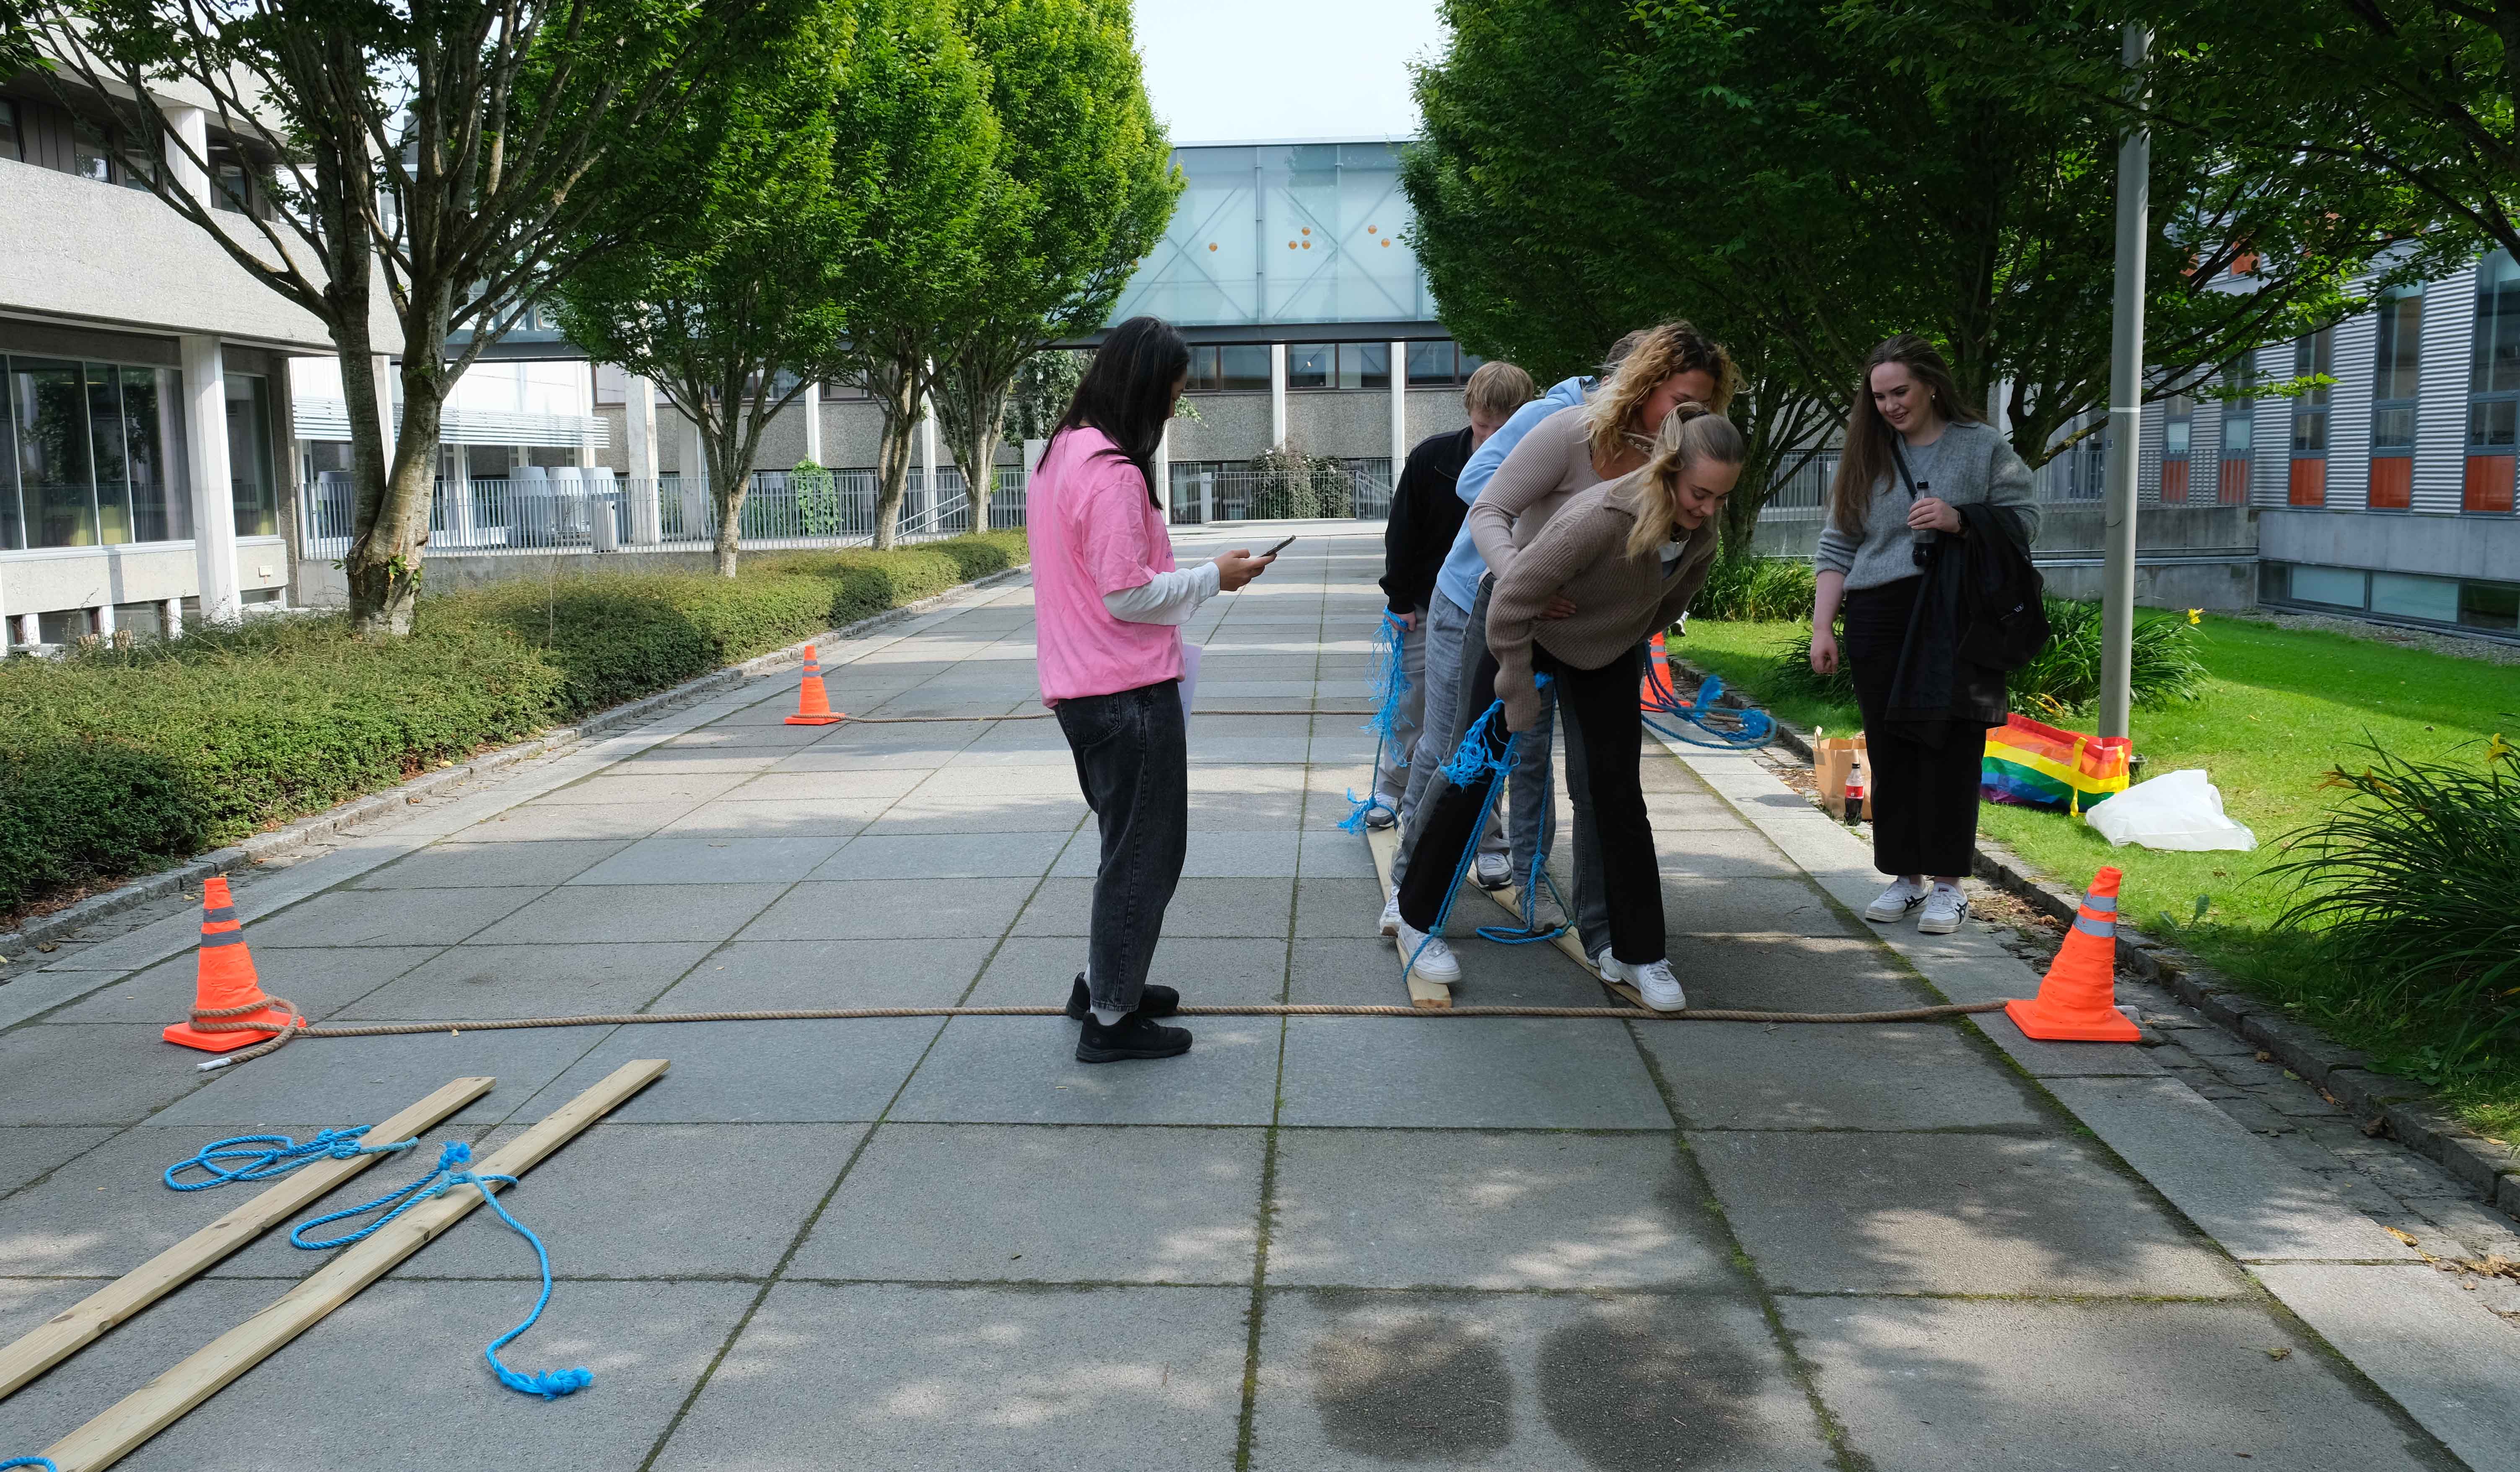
(1168, 598)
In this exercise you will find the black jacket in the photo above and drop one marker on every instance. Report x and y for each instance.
(1426, 512)
(1978, 615)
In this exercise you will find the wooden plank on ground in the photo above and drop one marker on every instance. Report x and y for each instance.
(163, 1402)
(1385, 846)
(76, 1327)
(1570, 945)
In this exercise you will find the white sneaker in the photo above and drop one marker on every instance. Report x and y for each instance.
(1391, 912)
(1494, 870)
(1901, 896)
(1943, 910)
(1434, 961)
(1385, 813)
(1653, 980)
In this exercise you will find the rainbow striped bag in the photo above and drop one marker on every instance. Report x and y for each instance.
(2030, 765)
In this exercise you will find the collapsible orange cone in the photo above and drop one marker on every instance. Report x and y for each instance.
(813, 707)
(226, 989)
(1657, 679)
(2076, 1003)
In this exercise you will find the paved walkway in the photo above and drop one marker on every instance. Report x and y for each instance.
(1313, 1243)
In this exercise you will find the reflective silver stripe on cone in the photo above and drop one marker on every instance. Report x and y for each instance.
(223, 913)
(2088, 926)
(2097, 902)
(223, 938)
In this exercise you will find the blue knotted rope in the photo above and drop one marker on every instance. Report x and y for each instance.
(272, 1155)
(448, 1174)
(44, 1462)
(1531, 932)
(1470, 762)
(1391, 645)
(1754, 725)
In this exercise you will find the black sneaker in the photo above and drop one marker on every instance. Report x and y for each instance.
(1134, 1036)
(1154, 1002)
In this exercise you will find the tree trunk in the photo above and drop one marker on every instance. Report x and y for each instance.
(896, 391)
(972, 402)
(730, 476)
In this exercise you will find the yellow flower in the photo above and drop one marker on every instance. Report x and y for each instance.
(2195, 617)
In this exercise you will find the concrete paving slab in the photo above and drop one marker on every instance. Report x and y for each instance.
(349, 1081)
(2226, 1180)
(491, 866)
(981, 1203)
(1336, 909)
(28, 1152)
(731, 1073)
(583, 913)
(890, 909)
(1617, 1382)
(1028, 973)
(1012, 813)
(945, 855)
(320, 979)
(1258, 909)
(1721, 853)
(1024, 1070)
(812, 786)
(530, 981)
(1767, 1076)
(675, 789)
(1212, 855)
(1463, 1209)
(1981, 1214)
(1692, 905)
(92, 1074)
(652, 1201)
(1926, 1386)
(947, 783)
(1470, 1073)
(672, 762)
(1330, 852)
(749, 859)
(1792, 973)
(1366, 972)
(394, 918)
(2065, 1060)
(540, 824)
(815, 817)
(904, 1376)
(2437, 1351)
(774, 975)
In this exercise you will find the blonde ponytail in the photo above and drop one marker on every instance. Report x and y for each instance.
(1690, 434)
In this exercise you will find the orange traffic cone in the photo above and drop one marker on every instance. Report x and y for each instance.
(2077, 1002)
(226, 989)
(1657, 680)
(813, 707)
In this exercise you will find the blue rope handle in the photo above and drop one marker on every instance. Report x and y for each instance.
(272, 1155)
(44, 1462)
(1469, 762)
(447, 1174)
(1391, 643)
(1756, 726)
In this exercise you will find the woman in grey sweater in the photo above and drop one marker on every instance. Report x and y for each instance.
(1915, 454)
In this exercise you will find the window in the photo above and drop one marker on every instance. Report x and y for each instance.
(48, 404)
(90, 158)
(2403, 596)
(1338, 365)
(2492, 387)
(1231, 368)
(230, 192)
(2178, 427)
(13, 143)
(2490, 605)
(87, 455)
(257, 494)
(2314, 356)
(1432, 365)
(2394, 372)
(2239, 436)
(1312, 364)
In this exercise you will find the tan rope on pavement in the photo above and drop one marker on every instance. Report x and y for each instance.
(1044, 715)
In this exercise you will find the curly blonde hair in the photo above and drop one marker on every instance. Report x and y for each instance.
(1673, 348)
(1690, 434)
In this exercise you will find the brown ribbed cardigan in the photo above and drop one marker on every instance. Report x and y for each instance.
(1619, 599)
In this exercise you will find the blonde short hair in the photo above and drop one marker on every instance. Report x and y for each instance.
(1498, 388)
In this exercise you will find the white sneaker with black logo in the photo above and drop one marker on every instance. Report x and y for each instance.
(1903, 895)
(1944, 909)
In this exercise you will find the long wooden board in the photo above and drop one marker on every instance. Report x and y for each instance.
(79, 1325)
(1569, 945)
(1385, 843)
(163, 1402)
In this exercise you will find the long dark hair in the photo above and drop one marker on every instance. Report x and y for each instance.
(1127, 392)
(1866, 456)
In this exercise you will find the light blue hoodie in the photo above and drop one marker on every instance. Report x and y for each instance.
(1463, 566)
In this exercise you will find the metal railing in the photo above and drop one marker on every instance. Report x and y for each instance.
(1803, 495)
(568, 509)
(1358, 489)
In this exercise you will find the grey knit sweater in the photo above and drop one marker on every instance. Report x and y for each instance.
(1970, 462)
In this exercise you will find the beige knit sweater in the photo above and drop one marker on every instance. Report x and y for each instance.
(1548, 468)
(1619, 599)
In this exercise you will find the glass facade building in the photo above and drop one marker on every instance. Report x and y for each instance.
(1279, 233)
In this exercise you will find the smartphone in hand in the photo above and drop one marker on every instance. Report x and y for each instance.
(1273, 551)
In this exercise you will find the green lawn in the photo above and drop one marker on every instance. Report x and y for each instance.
(2280, 709)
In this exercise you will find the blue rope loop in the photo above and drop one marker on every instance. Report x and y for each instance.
(1753, 726)
(44, 1462)
(1472, 761)
(448, 1174)
(270, 1155)
(1390, 644)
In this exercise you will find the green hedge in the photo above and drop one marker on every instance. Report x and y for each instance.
(119, 761)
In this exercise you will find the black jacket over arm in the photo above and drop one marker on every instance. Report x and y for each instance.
(1978, 615)
(1426, 512)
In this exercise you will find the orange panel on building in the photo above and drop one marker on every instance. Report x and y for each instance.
(2174, 480)
(2234, 489)
(2488, 484)
(2393, 483)
(2309, 483)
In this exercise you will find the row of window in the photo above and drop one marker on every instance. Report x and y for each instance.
(92, 454)
(24, 131)
(2469, 602)
(1233, 367)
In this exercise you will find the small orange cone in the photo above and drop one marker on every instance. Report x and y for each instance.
(226, 989)
(2077, 1002)
(813, 707)
(1657, 679)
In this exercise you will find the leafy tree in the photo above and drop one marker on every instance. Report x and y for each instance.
(1085, 186)
(733, 304)
(439, 148)
(1043, 388)
(914, 140)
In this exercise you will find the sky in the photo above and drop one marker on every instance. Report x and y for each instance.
(1231, 71)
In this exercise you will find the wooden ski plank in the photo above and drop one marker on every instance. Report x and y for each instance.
(1385, 843)
(163, 1402)
(76, 1327)
(1570, 945)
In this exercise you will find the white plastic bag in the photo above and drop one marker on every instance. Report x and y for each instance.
(2176, 810)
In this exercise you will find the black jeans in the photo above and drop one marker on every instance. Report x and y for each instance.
(1925, 797)
(1604, 744)
(1133, 760)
